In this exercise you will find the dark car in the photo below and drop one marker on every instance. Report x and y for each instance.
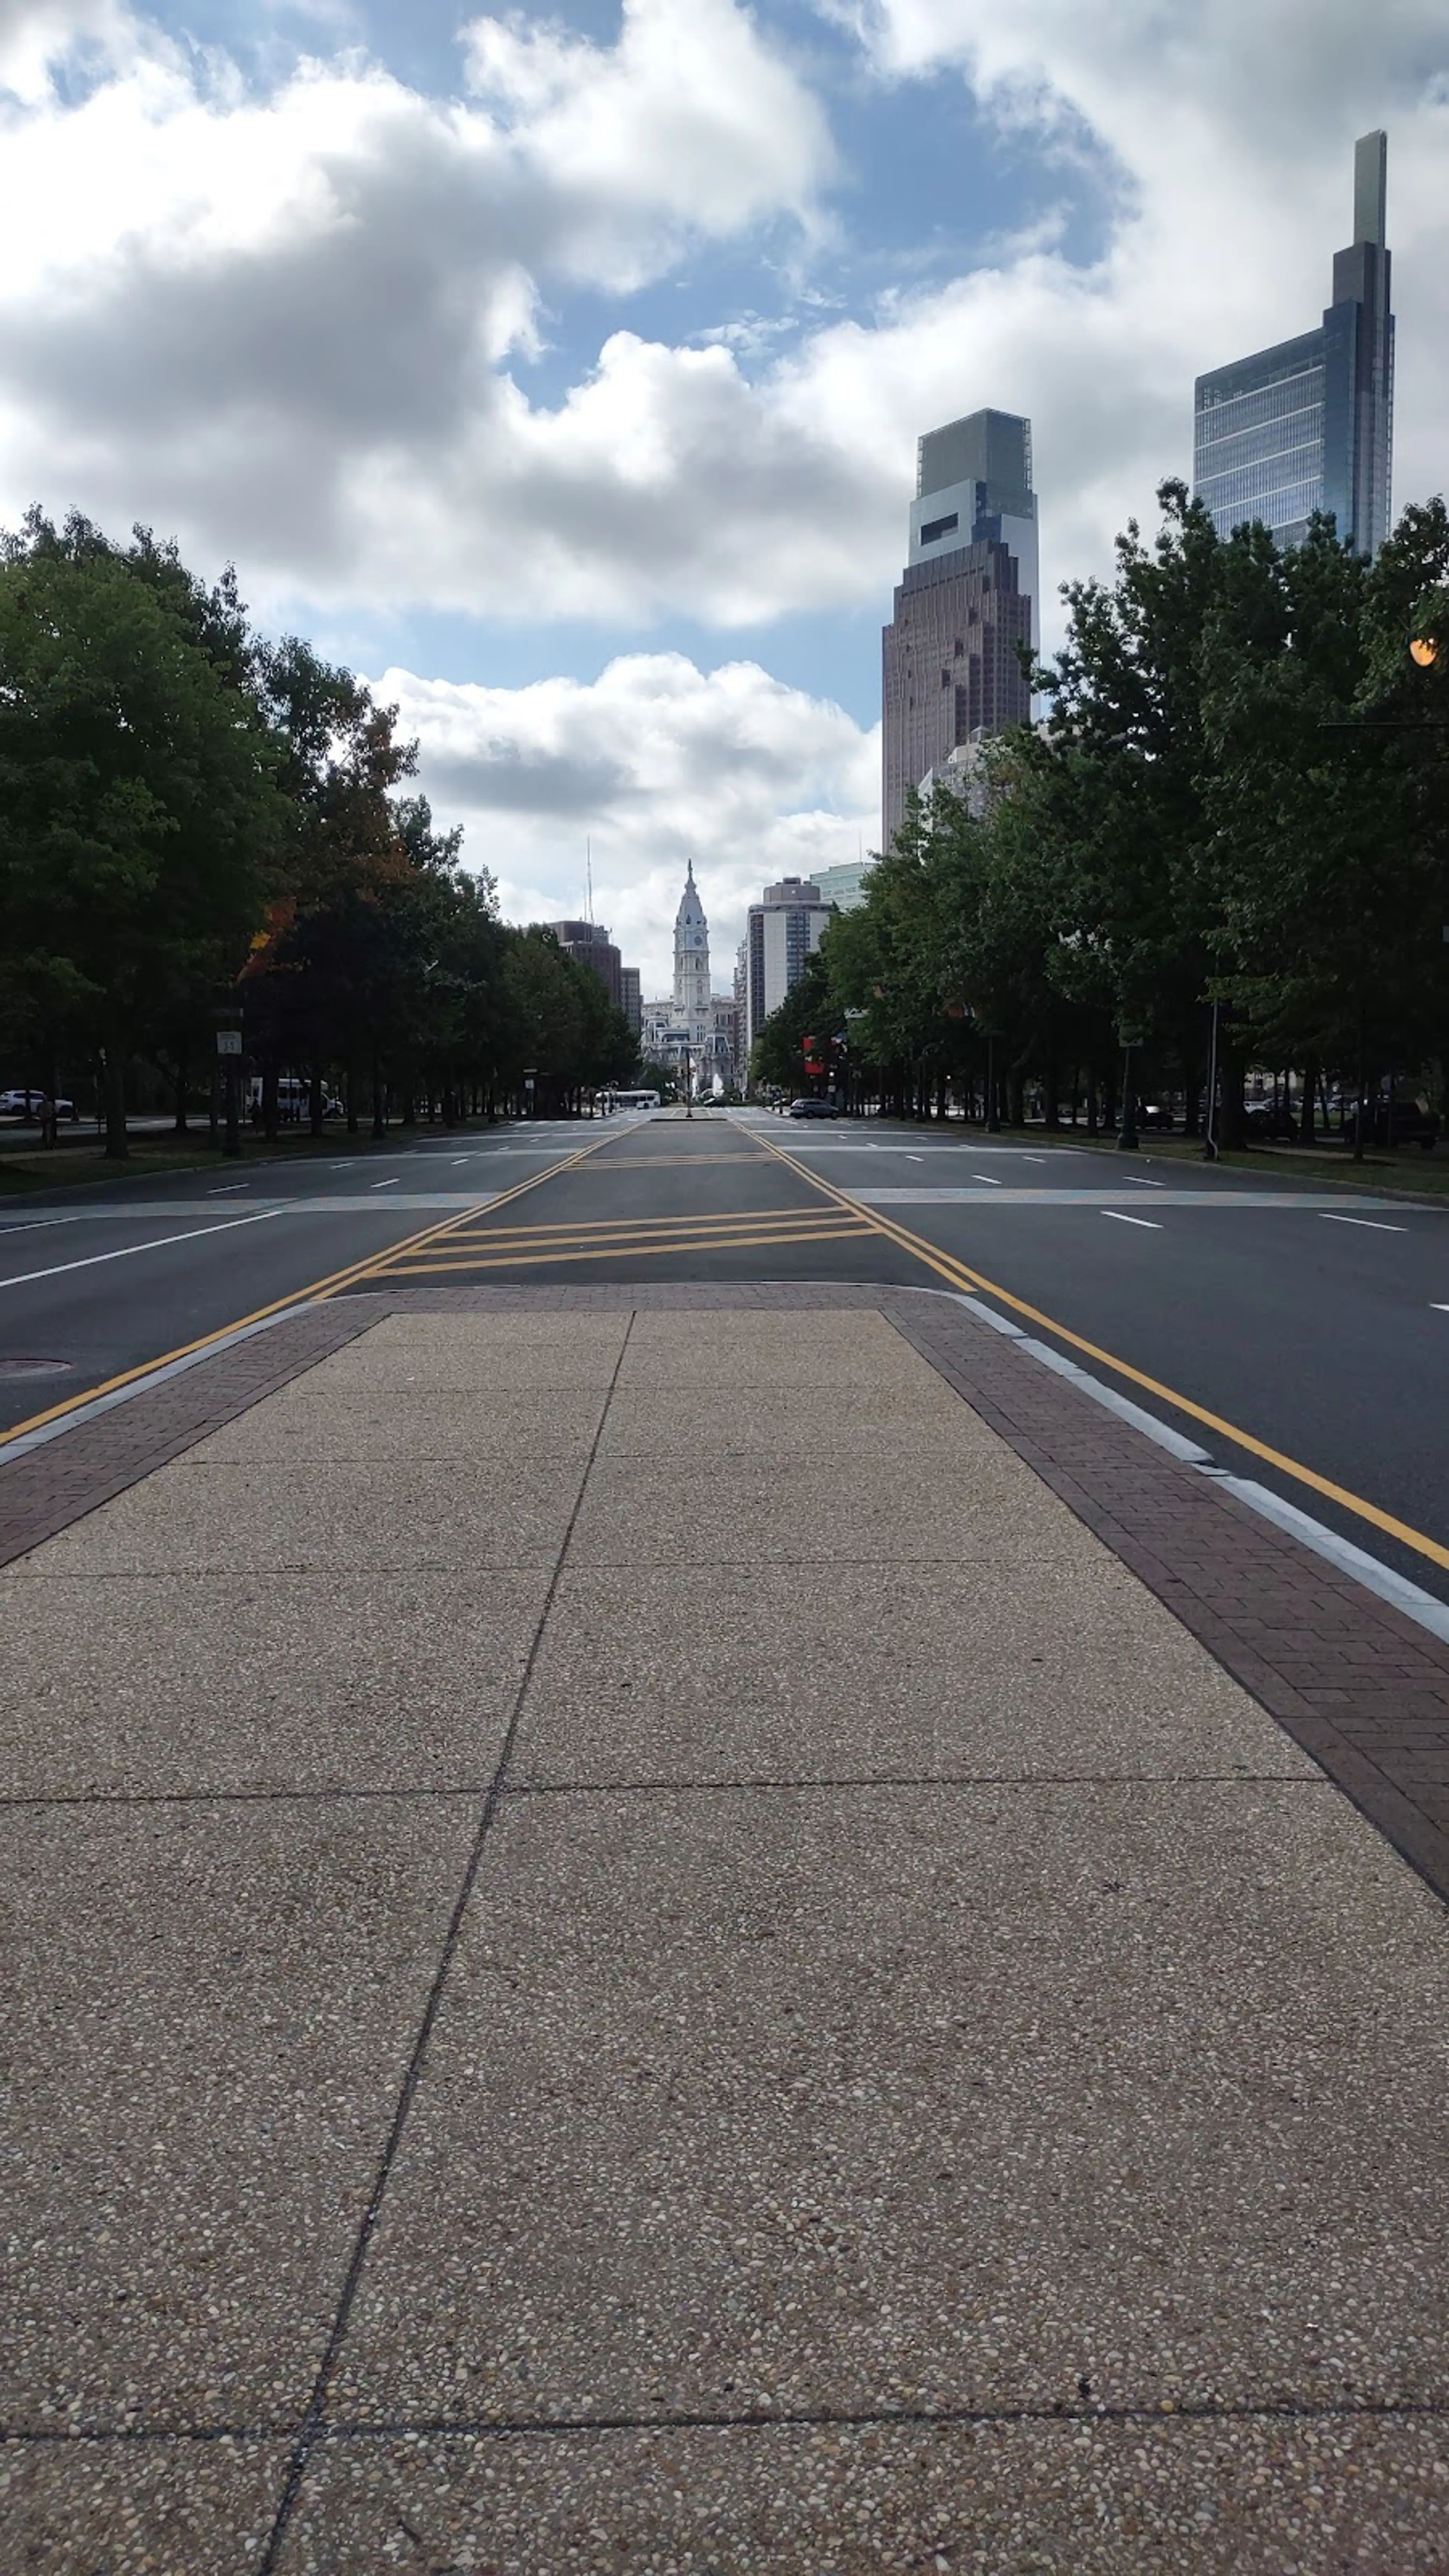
(1395, 1122)
(1156, 1115)
(813, 1109)
(1270, 1120)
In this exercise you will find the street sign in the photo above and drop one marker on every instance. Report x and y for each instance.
(228, 1042)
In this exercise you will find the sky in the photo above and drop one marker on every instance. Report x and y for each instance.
(561, 372)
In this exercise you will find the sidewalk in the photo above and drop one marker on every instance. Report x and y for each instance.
(630, 1947)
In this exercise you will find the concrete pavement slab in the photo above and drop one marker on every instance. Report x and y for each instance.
(315, 1424)
(719, 1353)
(836, 1506)
(1247, 2496)
(209, 2011)
(124, 1686)
(1057, 1665)
(795, 2100)
(166, 2508)
(394, 1515)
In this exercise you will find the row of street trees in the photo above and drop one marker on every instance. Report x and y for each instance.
(199, 828)
(1239, 797)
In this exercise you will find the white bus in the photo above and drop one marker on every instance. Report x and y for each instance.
(636, 1100)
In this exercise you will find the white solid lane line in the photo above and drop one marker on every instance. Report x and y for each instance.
(158, 1244)
(1120, 1219)
(1372, 1222)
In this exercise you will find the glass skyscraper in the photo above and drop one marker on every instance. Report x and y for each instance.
(966, 600)
(1308, 425)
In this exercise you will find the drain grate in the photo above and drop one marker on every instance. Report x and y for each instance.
(35, 1368)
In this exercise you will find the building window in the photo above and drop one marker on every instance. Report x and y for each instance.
(935, 528)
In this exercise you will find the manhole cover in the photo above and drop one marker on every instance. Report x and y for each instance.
(35, 1368)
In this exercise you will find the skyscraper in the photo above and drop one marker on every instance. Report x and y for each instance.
(782, 930)
(966, 600)
(589, 944)
(1308, 425)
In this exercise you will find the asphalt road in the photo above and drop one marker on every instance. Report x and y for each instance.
(101, 1279)
(1316, 1323)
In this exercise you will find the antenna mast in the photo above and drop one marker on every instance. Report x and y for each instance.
(589, 874)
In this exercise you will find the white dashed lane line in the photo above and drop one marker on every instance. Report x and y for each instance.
(158, 1243)
(1120, 1218)
(1373, 1223)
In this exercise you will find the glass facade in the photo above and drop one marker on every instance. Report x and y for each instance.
(1258, 442)
(1308, 425)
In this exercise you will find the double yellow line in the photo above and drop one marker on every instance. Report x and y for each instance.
(334, 1285)
(973, 1283)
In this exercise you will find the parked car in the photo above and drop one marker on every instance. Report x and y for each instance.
(813, 1109)
(1396, 1122)
(28, 1104)
(1270, 1121)
(1156, 1115)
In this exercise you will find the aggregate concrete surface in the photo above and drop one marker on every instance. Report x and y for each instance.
(628, 1948)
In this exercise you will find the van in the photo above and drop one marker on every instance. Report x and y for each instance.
(294, 1097)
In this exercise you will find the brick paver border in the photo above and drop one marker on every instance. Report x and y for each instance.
(1354, 1682)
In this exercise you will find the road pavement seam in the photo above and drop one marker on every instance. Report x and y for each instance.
(513, 2428)
(313, 2418)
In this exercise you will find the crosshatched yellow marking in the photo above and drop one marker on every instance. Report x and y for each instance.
(459, 1265)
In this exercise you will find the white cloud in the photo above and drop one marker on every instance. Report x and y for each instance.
(656, 763)
(290, 326)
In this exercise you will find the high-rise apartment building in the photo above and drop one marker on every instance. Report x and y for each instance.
(784, 928)
(1308, 425)
(967, 601)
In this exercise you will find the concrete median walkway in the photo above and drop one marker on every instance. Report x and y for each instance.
(629, 1947)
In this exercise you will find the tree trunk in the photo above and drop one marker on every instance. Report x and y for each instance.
(315, 1102)
(117, 1143)
(178, 1123)
(1310, 1085)
(1093, 1128)
(271, 1121)
(379, 1113)
(352, 1118)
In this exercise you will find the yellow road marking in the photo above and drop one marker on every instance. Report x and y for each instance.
(331, 1286)
(643, 1224)
(490, 1239)
(456, 1268)
(959, 1276)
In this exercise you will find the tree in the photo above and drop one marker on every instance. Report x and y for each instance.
(139, 806)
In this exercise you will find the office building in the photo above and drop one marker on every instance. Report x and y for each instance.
(590, 945)
(966, 604)
(784, 928)
(844, 886)
(1308, 425)
(630, 998)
